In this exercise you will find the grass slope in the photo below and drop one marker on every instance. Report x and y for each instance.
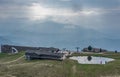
(53, 68)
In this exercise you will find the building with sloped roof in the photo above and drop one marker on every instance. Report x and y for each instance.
(97, 50)
(16, 49)
(43, 54)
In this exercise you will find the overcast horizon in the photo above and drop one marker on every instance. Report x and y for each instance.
(61, 23)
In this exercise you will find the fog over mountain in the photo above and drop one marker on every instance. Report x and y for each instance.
(61, 23)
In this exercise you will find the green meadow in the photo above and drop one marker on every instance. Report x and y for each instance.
(15, 65)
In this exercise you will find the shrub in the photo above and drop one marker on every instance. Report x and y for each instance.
(115, 51)
(89, 58)
(89, 48)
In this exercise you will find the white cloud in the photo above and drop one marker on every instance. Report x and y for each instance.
(86, 17)
(89, 12)
(38, 12)
(8, 12)
(63, 15)
(65, 0)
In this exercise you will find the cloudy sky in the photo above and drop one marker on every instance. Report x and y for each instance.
(61, 23)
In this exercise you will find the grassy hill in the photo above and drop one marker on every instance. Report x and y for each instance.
(16, 66)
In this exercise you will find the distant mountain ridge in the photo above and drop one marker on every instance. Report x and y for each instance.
(5, 40)
(57, 36)
(69, 43)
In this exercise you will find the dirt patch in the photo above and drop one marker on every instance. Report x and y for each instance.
(13, 60)
(8, 76)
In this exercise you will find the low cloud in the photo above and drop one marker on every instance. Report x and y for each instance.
(65, 0)
(32, 12)
(13, 11)
(37, 12)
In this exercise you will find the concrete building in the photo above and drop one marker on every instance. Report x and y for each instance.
(16, 49)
